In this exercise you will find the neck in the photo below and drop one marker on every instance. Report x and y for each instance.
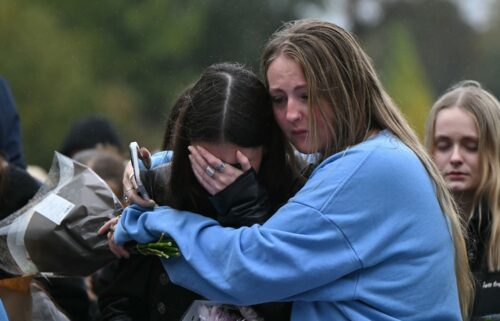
(465, 203)
(372, 132)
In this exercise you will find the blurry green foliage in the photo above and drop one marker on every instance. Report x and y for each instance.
(127, 60)
(404, 77)
(47, 69)
(422, 48)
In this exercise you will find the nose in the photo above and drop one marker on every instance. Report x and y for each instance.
(293, 111)
(456, 156)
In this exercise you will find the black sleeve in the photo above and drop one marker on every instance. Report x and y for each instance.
(141, 290)
(156, 183)
(125, 298)
(243, 203)
(19, 188)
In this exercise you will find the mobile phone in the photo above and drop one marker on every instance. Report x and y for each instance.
(135, 157)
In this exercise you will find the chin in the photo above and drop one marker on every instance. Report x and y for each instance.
(459, 188)
(304, 150)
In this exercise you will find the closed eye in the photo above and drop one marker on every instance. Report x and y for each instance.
(277, 100)
(443, 145)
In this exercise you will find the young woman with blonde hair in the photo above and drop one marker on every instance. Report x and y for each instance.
(372, 235)
(463, 136)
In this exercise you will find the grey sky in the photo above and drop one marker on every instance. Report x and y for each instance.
(475, 12)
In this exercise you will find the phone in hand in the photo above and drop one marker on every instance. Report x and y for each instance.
(135, 157)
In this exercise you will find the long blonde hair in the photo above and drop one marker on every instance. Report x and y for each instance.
(337, 70)
(485, 110)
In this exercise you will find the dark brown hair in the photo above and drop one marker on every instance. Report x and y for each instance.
(229, 104)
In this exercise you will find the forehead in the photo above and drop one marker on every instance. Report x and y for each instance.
(455, 121)
(284, 70)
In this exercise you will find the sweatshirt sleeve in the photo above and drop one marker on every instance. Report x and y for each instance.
(288, 258)
(364, 232)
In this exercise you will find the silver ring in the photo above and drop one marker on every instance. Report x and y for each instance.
(125, 198)
(210, 171)
(220, 167)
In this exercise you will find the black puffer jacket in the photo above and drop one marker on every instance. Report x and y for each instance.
(141, 289)
(487, 296)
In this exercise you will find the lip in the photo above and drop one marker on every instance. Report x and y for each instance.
(299, 132)
(456, 175)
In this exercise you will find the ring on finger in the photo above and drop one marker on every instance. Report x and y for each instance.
(220, 167)
(210, 171)
(125, 198)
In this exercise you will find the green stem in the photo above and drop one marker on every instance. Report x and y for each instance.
(164, 247)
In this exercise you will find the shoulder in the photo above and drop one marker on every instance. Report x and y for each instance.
(380, 165)
(159, 158)
(383, 154)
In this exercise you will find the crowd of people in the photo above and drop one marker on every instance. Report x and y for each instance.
(304, 195)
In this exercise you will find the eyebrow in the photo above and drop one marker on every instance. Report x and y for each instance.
(462, 138)
(299, 87)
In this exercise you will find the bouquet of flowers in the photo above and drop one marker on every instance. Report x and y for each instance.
(201, 310)
(56, 232)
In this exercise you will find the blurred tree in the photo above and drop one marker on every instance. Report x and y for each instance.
(489, 67)
(50, 76)
(443, 40)
(405, 79)
(126, 59)
(423, 48)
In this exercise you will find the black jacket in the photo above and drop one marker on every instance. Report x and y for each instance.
(141, 289)
(487, 296)
(18, 187)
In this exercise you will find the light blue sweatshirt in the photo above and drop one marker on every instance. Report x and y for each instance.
(364, 239)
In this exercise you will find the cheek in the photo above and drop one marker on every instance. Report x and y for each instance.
(440, 159)
(475, 165)
(279, 115)
(255, 165)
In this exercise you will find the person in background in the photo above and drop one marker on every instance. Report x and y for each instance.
(10, 135)
(227, 111)
(463, 136)
(110, 167)
(92, 131)
(10, 131)
(17, 187)
(21, 295)
(3, 313)
(89, 132)
(372, 235)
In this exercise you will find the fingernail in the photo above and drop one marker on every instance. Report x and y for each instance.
(190, 148)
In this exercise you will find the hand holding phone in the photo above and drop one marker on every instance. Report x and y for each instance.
(135, 157)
